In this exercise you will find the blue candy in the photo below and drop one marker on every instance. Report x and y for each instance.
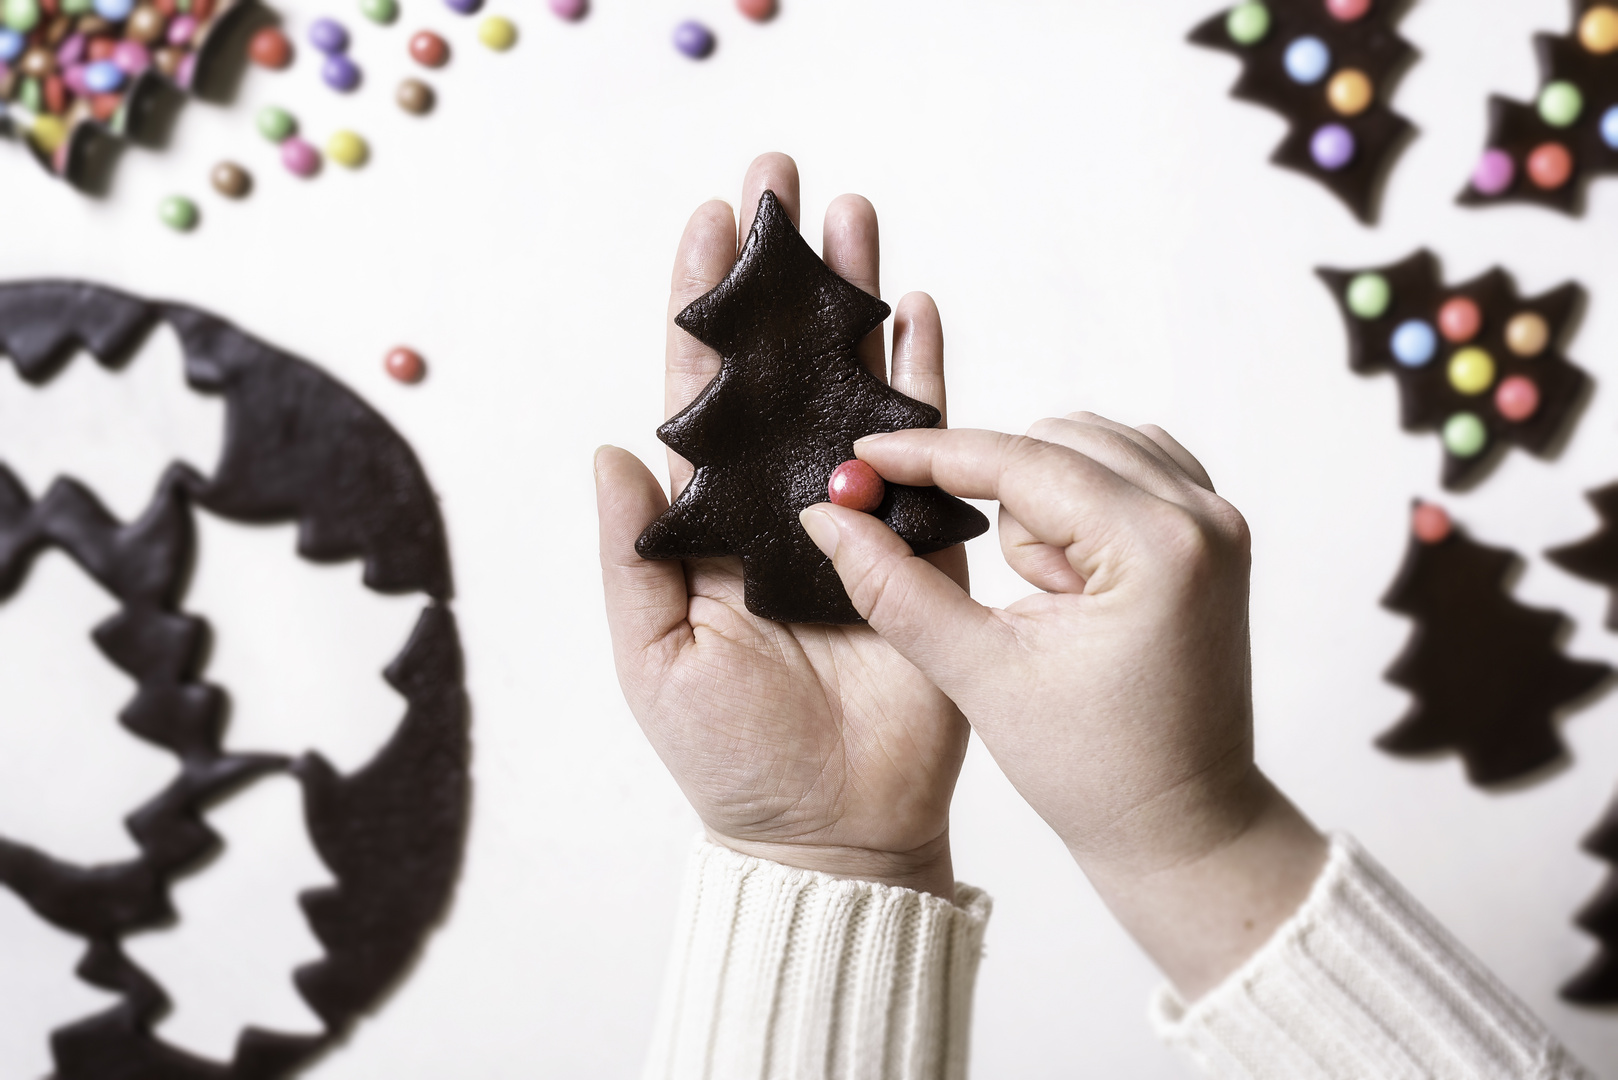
(11, 44)
(1414, 343)
(114, 10)
(1609, 127)
(103, 77)
(1308, 60)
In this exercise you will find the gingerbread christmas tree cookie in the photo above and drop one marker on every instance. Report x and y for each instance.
(1595, 558)
(1597, 983)
(767, 435)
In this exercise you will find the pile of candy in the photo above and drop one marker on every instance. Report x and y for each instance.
(66, 64)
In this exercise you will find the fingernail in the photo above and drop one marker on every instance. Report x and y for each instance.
(821, 529)
(869, 439)
(595, 460)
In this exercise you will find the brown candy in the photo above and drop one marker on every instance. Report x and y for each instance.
(37, 62)
(231, 180)
(415, 96)
(167, 60)
(145, 24)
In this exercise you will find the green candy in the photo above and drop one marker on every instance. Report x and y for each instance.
(30, 96)
(77, 7)
(178, 213)
(380, 11)
(1560, 103)
(1464, 435)
(20, 15)
(275, 124)
(1369, 295)
(1248, 23)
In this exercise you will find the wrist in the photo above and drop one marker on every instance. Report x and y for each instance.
(927, 869)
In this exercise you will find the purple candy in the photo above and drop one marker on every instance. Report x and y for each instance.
(299, 157)
(693, 39)
(340, 72)
(465, 7)
(73, 77)
(182, 29)
(132, 57)
(328, 36)
(71, 50)
(1332, 147)
(1494, 173)
(186, 71)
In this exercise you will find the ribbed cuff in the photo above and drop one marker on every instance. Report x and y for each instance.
(1362, 982)
(785, 973)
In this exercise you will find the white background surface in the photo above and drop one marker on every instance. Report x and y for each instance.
(1101, 230)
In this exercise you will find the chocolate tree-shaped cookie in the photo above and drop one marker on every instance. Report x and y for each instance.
(1328, 67)
(1487, 675)
(1547, 151)
(1597, 984)
(766, 435)
(1595, 558)
(1476, 362)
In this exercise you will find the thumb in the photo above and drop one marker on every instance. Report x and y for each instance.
(646, 600)
(914, 605)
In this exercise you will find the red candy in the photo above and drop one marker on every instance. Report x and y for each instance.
(406, 365)
(1348, 10)
(268, 48)
(857, 486)
(101, 48)
(1517, 398)
(429, 50)
(1459, 320)
(1430, 523)
(758, 10)
(1550, 165)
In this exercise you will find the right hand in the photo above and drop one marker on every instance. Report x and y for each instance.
(1118, 698)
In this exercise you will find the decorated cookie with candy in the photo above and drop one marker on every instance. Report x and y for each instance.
(1328, 66)
(1476, 362)
(1545, 150)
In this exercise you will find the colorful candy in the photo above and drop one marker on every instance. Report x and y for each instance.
(12, 44)
(275, 123)
(1517, 398)
(328, 35)
(414, 96)
(299, 157)
(464, 7)
(178, 213)
(1471, 370)
(269, 48)
(1550, 166)
(1307, 60)
(1414, 343)
(1598, 29)
(569, 9)
(1527, 334)
(347, 149)
(1248, 23)
(103, 77)
(1464, 435)
(497, 32)
(1369, 295)
(1459, 320)
(1332, 146)
(694, 39)
(1494, 173)
(429, 50)
(340, 73)
(1609, 127)
(1429, 523)
(1350, 92)
(757, 10)
(380, 11)
(230, 180)
(856, 485)
(1560, 103)
(20, 15)
(1348, 10)
(406, 365)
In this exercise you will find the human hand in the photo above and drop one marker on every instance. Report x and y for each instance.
(1117, 699)
(814, 746)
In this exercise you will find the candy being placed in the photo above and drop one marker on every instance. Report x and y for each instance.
(569, 9)
(178, 213)
(406, 365)
(328, 35)
(414, 96)
(428, 49)
(757, 10)
(1477, 363)
(270, 48)
(347, 149)
(299, 157)
(498, 33)
(340, 73)
(782, 414)
(380, 11)
(694, 39)
(275, 123)
(230, 180)
(1327, 66)
(856, 485)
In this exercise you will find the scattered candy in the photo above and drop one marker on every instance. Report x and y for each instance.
(569, 9)
(1527, 334)
(1430, 523)
(694, 39)
(1494, 173)
(103, 77)
(1307, 60)
(380, 11)
(182, 30)
(299, 157)
(340, 73)
(11, 44)
(1471, 370)
(414, 96)
(1248, 23)
(178, 213)
(1350, 92)
(464, 7)
(429, 50)
(1464, 435)
(1517, 398)
(1560, 103)
(497, 32)
(145, 24)
(1550, 166)
(1332, 147)
(328, 35)
(1609, 127)
(49, 133)
(1459, 320)
(1369, 295)
(131, 57)
(230, 180)
(276, 124)
(757, 10)
(1414, 343)
(347, 149)
(114, 10)
(20, 15)
(270, 48)
(856, 485)
(406, 365)
(1598, 29)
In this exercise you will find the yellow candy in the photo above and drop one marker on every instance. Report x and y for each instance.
(1598, 30)
(1471, 370)
(48, 133)
(1349, 92)
(347, 149)
(497, 33)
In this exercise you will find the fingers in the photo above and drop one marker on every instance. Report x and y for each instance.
(705, 255)
(1124, 450)
(1040, 564)
(1183, 457)
(918, 351)
(915, 606)
(850, 248)
(646, 599)
(770, 172)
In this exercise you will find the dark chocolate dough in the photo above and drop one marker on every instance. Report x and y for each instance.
(1597, 983)
(1595, 558)
(1370, 44)
(1427, 399)
(1516, 126)
(298, 446)
(790, 399)
(1487, 675)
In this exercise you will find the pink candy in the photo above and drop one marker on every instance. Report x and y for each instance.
(299, 157)
(182, 29)
(73, 76)
(569, 9)
(1494, 173)
(132, 57)
(856, 485)
(71, 50)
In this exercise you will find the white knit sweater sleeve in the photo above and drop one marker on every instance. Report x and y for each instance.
(780, 973)
(1362, 983)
